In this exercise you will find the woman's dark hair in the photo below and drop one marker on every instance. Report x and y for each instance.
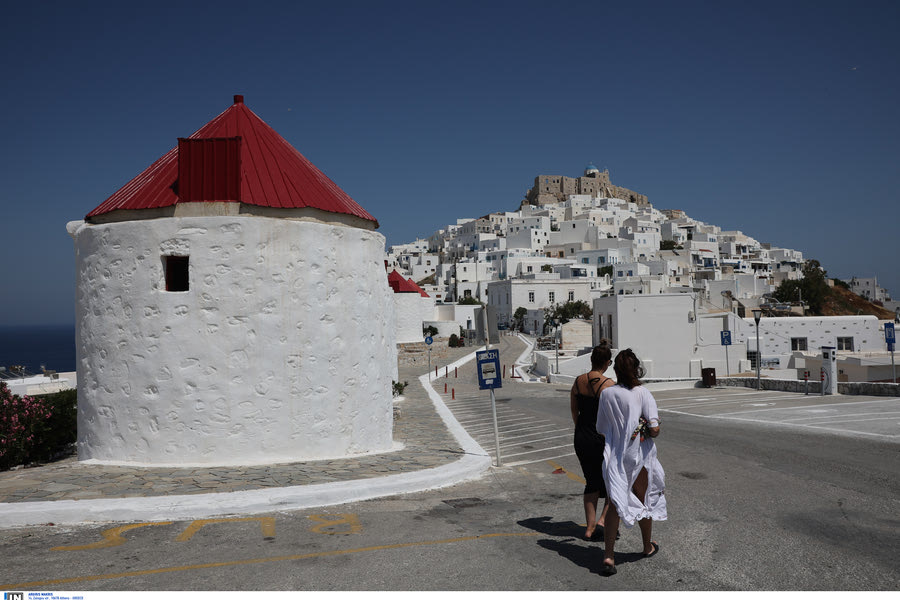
(602, 354)
(628, 369)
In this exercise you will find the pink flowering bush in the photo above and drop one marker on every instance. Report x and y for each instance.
(34, 427)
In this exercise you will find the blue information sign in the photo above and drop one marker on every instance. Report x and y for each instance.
(726, 338)
(429, 340)
(889, 333)
(489, 369)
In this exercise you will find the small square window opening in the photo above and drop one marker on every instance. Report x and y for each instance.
(176, 273)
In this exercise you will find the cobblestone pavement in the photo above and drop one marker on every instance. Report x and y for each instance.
(426, 443)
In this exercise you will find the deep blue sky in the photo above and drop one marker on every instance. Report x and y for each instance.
(776, 118)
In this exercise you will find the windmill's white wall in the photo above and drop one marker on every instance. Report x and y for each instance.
(408, 311)
(282, 350)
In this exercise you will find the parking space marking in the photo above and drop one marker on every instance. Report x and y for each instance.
(111, 537)
(257, 561)
(331, 521)
(682, 403)
(782, 424)
(266, 526)
(838, 416)
(573, 476)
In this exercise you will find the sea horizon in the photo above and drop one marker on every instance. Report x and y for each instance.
(51, 346)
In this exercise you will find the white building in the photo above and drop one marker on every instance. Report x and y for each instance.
(232, 308)
(782, 336)
(868, 288)
(535, 293)
(668, 335)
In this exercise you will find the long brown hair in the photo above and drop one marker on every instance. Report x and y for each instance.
(628, 369)
(601, 355)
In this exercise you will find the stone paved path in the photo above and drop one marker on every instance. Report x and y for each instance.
(425, 440)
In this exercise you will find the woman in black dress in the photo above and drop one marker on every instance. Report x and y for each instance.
(588, 443)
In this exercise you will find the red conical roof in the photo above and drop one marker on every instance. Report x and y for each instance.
(272, 172)
(401, 284)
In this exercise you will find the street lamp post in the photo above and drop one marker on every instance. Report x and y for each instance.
(556, 344)
(757, 313)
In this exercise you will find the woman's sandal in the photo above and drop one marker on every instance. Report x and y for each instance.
(655, 550)
(607, 569)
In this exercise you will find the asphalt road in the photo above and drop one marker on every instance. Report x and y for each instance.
(755, 503)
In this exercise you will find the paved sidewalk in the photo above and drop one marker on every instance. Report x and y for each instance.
(433, 451)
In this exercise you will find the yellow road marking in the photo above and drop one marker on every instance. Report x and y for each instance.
(571, 476)
(111, 537)
(266, 525)
(256, 561)
(328, 521)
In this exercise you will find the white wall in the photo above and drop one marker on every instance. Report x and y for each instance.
(282, 349)
(776, 332)
(409, 317)
(665, 332)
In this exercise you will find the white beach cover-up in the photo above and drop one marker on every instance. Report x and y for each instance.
(617, 417)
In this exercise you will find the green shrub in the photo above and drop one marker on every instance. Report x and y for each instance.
(399, 387)
(454, 340)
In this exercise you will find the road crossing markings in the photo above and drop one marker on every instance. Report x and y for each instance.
(502, 430)
(531, 441)
(509, 421)
(539, 460)
(538, 450)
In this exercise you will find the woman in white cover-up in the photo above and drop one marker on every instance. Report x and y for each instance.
(635, 481)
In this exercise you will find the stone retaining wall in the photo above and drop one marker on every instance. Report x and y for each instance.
(416, 353)
(853, 388)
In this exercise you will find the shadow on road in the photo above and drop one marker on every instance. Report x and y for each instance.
(576, 549)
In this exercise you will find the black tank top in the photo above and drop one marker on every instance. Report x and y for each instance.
(587, 407)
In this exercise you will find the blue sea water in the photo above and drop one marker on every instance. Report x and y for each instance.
(52, 346)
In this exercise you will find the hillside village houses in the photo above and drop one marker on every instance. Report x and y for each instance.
(584, 239)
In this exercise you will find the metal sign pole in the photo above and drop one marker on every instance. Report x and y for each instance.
(727, 368)
(496, 429)
(890, 339)
(489, 378)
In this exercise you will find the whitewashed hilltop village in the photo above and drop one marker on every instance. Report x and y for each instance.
(658, 281)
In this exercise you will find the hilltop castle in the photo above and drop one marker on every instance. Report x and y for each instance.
(550, 189)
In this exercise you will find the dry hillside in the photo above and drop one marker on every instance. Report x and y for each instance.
(841, 301)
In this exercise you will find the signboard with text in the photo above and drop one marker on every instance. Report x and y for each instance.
(488, 369)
